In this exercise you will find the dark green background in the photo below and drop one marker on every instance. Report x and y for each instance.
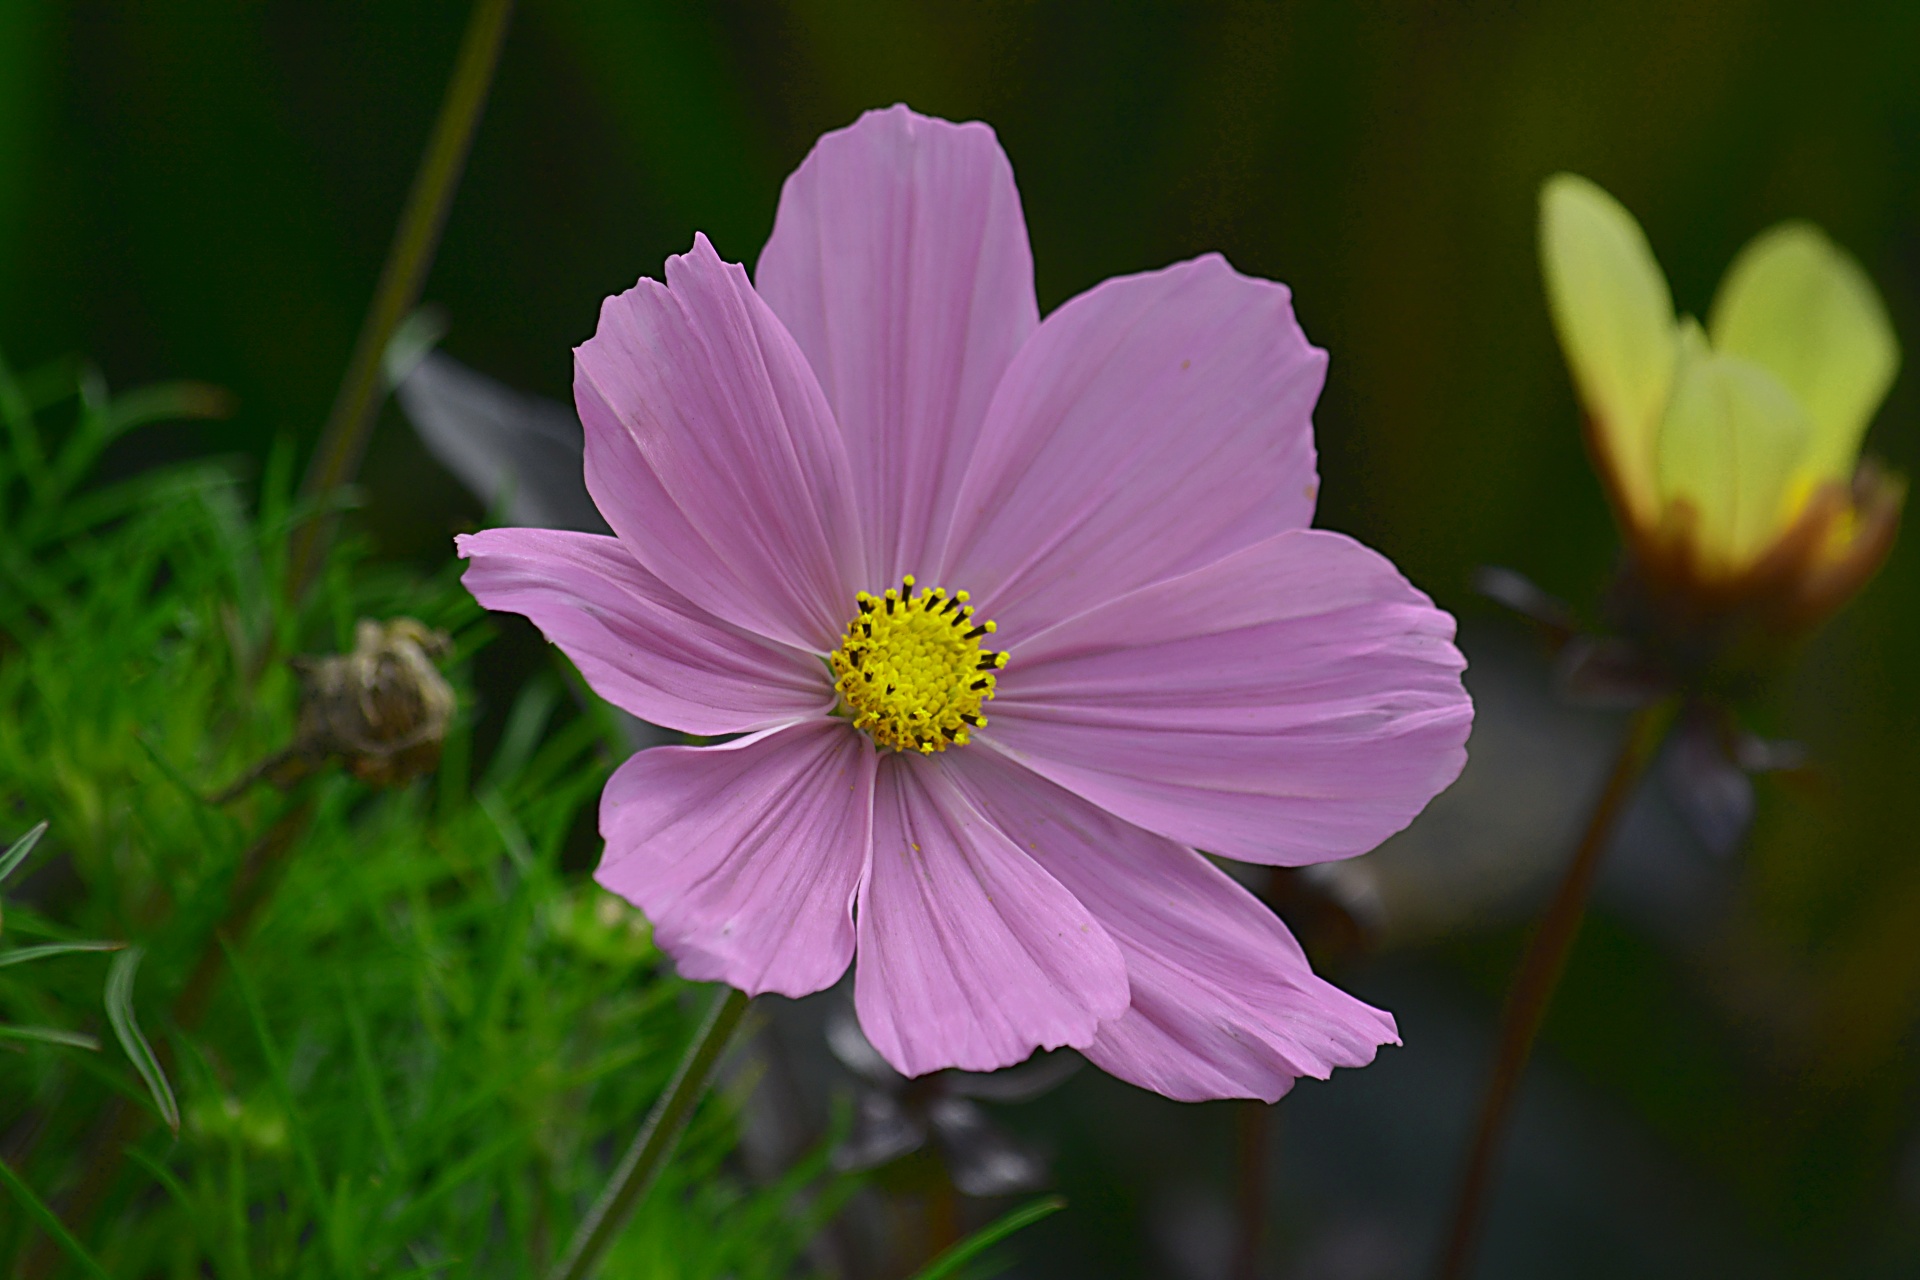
(206, 187)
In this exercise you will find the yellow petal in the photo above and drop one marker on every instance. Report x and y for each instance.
(1730, 444)
(1614, 314)
(1802, 309)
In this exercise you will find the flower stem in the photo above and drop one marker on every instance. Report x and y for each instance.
(1253, 1136)
(415, 240)
(1539, 974)
(644, 1160)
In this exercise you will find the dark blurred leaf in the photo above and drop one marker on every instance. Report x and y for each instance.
(883, 1130)
(850, 1045)
(1769, 755)
(519, 454)
(1037, 1075)
(983, 1159)
(1517, 592)
(1601, 671)
(893, 1115)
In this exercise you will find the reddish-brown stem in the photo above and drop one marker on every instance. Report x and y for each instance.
(1534, 984)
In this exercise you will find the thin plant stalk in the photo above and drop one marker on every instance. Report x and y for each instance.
(1252, 1137)
(1252, 1140)
(640, 1168)
(415, 241)
(1539, 974)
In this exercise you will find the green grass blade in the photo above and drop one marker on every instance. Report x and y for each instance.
(283, 1092)
(49, 1035)
(50, 1223)
(368, 1076)
(24, 954)
(991, 1234)
(164, 1176)
(126, 1029)
(17, 852)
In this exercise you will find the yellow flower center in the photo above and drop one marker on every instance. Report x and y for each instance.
(910, 670)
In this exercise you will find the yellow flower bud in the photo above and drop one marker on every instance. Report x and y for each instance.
(1730, 454)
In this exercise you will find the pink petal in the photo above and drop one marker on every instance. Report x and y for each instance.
(637, 641)
(1295, 702)
(899, 263)
(746, 856)
(971, 956)
(1224, 1004)
(1149, 426)
(713, 455)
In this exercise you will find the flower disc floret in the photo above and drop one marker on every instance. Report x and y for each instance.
(910, 670)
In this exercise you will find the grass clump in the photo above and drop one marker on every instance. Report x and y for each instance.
(404, 1039)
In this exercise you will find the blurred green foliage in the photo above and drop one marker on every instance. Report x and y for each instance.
(205, 187)
(423, 1051)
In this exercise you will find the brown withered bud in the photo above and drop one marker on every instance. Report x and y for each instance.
(382, 710)
(1742, 620)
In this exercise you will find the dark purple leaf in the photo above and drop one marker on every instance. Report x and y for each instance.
(981, 1157)
(883, 1129)
(1517, 592)
(1712, 793)
(517, 453)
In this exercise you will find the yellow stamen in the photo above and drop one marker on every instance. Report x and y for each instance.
(910, 669)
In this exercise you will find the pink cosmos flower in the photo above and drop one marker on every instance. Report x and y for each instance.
(823, 483)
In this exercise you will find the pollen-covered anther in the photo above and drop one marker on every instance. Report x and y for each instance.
(910, 670)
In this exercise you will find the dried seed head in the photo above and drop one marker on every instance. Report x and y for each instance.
(384, 708)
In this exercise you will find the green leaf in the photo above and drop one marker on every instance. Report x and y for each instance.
(1731, 444)
(49, 1035)
(17, 852)
(1801, 308)
(127, 1030)
(1614, 315)
(991, 1234)
(25, 954)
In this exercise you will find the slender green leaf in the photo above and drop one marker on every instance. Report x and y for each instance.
(282, 1091)
(991, 1234)
(512, 835)
(24, 954)
(368, 1076)
(126, 1028)
(49, 1035)
(17, 852)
